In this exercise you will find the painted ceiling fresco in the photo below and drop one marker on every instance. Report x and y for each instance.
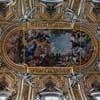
(49, 47)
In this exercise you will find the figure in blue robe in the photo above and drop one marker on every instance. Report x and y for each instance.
(30, 50)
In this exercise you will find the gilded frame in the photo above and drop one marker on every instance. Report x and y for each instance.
(48, 25)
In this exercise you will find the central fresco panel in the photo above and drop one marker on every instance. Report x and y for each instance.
(49, 47)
